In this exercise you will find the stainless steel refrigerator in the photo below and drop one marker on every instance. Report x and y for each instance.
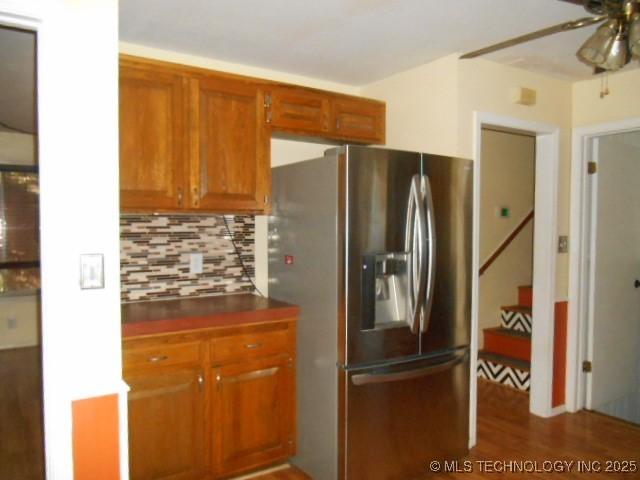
(375, 247)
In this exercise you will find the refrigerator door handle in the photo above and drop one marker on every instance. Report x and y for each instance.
(372, 378)
(430, 222)
(415, 246)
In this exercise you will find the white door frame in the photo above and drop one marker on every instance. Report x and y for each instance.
(579, 272)
(544, 261)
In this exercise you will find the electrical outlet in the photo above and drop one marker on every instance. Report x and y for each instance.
(12, 323)
(195, 263)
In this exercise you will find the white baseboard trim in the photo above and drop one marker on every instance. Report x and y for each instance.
(560, 409)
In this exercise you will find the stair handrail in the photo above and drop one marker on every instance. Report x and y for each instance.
(506, 242)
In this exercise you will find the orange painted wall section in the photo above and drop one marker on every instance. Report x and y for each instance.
(559, 355)
(96, 444)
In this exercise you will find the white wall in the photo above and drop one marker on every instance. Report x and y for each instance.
(623, 101)
(422, 107)
(78, 154)
(507, 179)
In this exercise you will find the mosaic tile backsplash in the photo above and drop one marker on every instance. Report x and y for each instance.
(154, 255)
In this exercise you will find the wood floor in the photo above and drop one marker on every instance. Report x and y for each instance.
(506, 431)
(21, 451)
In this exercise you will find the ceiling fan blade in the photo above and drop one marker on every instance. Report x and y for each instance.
(576, 2)
(562, 27)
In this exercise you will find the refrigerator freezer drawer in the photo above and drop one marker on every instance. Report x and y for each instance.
(400, 417)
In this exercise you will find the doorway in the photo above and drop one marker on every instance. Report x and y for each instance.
(21, 419)
(544, 260)
(611, 368)
(594, 305)
(506, 253)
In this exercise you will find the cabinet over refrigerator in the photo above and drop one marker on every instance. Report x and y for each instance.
(375, 246)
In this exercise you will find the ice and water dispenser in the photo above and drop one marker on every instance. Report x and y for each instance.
(384, 290)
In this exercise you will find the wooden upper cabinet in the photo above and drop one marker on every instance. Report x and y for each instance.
(152, 140)
(305, 111)
(359, 119)
(229, 145)
(296, 109)
(196, 140)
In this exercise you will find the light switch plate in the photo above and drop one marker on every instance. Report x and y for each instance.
(91, 271)
(563, 244)
(195, 263)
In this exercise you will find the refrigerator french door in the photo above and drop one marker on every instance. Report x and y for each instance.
(399, 417)
(375, 246)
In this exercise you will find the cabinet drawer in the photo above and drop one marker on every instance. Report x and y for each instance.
(161, 355)
(249, 345)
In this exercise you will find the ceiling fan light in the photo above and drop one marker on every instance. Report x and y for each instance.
(634, 37)
(618, 55)
(594, 51)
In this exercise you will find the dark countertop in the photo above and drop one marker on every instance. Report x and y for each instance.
(164, 316)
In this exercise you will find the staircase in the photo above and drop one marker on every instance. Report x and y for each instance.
(506, 357)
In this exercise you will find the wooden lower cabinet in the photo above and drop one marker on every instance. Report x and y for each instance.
(211, 404)
(167, 425)
(253, 415)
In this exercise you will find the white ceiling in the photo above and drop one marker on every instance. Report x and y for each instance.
(355, 41)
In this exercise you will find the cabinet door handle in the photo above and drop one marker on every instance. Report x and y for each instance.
(200, 382)
(157, 358)
(252, 346)
(179, 197)
(195, 196)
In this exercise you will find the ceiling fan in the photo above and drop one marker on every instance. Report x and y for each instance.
(610, 48)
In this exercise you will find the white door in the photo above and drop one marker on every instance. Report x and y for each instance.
(615, 322)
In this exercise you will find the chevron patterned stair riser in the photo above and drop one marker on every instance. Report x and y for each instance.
(514, 320)
(504, 374)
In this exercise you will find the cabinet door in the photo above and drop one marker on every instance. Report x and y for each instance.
(296, 109)
(152, 144)
(229, 146)
(359, 119)
(166, 425)
(254, 408)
